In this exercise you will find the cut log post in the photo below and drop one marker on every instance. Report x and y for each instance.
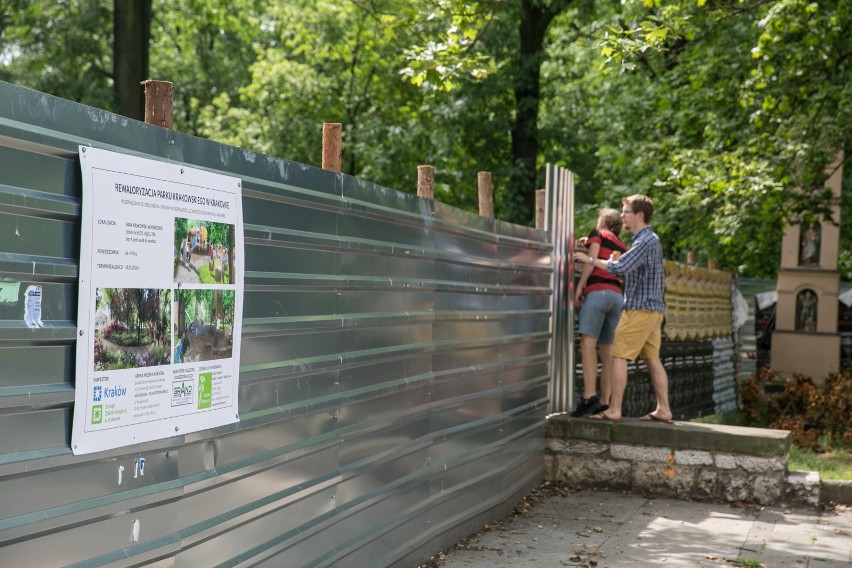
(159, 102)
(540, 196)
(486, 194)
(332, 146)
(426, 182)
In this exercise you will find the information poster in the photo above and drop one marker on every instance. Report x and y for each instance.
(160, 307)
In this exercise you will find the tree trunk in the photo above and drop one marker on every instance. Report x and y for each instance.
(181, 314)
(131, 41)
(536, 16)
(231, 244)
(218, 309)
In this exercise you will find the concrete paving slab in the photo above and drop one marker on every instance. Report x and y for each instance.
(613, 530)
(589, 505)
(807, 538)
(664, 534)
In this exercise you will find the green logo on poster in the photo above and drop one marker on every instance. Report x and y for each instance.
(97, 413)
(205, 390)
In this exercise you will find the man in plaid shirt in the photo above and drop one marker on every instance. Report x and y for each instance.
(639, 331)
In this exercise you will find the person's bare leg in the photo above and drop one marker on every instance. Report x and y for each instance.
(606, 372)
(619, 384)
(660, 383)
(590, 365)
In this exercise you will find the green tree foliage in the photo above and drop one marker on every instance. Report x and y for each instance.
(59, 47)
(206, 48)
(324, 61)
(228, 305)
(134, 307)
(217, 233)
(501, 46)
(726, 112)
(206, 305)
(181, 230)
(197, 304)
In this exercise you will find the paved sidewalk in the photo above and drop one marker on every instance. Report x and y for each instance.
(614, 530)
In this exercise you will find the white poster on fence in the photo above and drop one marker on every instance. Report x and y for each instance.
(160, 307)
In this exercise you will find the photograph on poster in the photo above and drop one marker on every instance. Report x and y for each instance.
(203, 325)
(202, 253)
(131, 328)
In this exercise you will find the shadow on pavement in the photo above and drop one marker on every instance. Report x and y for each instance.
(558, 525)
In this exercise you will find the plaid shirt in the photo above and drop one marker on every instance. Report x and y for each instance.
(642, 267)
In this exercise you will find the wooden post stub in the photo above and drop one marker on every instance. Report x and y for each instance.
(332, 146)
(711, 263)
(690, 258)
(540, 195)
(159, 102)
(426, 182)
(486, 194)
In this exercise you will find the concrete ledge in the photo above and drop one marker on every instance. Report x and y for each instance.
(681, 459)
(684, 435)
(835, 491)
(802, 488)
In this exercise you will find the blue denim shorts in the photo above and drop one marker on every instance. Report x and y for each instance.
(599, 315)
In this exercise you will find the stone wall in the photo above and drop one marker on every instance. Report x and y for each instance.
(682, 459)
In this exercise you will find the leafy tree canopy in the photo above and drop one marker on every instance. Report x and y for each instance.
(726, 112)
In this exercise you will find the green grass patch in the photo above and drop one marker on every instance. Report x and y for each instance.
(834, 464)
(205, 275)
(208, 277)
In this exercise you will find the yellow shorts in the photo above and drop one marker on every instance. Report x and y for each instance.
(638, 335)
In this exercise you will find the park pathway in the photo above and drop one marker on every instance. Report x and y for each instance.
(187, 273)
(559, 526)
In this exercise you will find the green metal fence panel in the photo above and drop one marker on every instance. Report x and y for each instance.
(395, 363)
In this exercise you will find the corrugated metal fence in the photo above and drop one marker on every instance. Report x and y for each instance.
(394, 370)
(560, 224)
